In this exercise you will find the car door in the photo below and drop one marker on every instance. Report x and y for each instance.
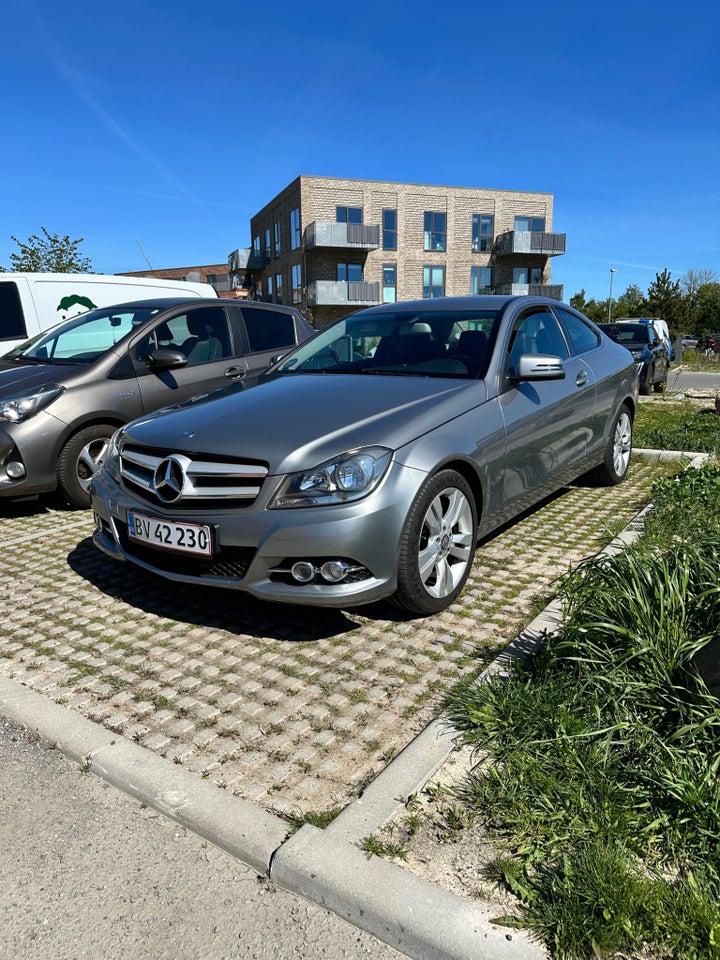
(210, 344)
(270, 333)
(547, 422)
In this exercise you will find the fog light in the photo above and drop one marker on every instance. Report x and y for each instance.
(303, 571)
(334, 570)
(15, 470)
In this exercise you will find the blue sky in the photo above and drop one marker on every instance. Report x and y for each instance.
(166, 125)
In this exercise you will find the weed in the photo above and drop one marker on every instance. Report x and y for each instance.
(374, 846)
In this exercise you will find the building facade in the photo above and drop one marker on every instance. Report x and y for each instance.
(230, 285)
(329, 245)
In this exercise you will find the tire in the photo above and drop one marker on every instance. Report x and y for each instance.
(647, 380)
(437, 546)
(616, 461)
(79, 459)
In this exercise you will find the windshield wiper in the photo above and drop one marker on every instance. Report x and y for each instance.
(26, 358)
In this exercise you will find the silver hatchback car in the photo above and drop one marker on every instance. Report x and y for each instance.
(374, 456)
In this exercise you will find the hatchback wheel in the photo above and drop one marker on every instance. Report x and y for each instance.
(617, 452)
(79, 459)
(438, 545)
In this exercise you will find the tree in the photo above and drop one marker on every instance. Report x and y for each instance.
(691, 283)
(707, 311)
(665, 300)
(631, 303)
(50, 253)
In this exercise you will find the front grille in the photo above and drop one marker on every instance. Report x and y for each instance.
(229, 564)
(203, 481)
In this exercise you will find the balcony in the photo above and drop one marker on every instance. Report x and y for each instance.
(525, 241)
(338, 293)
(553, 290)
(356, 236)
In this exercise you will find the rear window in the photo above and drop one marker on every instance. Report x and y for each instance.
(268, 329)
(12, 319)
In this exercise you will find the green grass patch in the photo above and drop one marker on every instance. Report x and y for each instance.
(677, 425)
(601, 754)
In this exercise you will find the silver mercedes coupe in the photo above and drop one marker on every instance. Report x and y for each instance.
(369, 461)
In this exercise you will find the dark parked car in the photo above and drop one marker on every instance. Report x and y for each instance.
(65, 392)
(375, 455)
(647, 349)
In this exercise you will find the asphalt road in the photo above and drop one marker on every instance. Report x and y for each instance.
(86, 872)
(684, 380)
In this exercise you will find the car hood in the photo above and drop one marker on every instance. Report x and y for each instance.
(16, 377)
(295, 422)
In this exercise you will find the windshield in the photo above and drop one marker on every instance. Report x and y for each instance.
(85, 338)
(431, 343)
(627, 333)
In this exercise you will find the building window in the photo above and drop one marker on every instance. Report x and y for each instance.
(483, 229)
(349, 214)
(435, 228)
(349, 272)
(256, 246)
(295, 228)
(433, 282)
(389, 227)
(276, 228)
(389, 282)
(267, 242)
(269, 287)
(530, 224)
(297, 283)
(527, 275)
(278, 288)
(480, 280)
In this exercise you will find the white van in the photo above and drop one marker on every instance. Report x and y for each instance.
(32, 302)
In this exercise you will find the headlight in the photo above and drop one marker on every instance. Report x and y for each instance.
(348, 477)
(26, 404)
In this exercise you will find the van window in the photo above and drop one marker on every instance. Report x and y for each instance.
(12, 319)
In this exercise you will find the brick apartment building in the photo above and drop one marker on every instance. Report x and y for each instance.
(230, 286)
(330, 245)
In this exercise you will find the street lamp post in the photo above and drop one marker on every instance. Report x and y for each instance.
(612, 271)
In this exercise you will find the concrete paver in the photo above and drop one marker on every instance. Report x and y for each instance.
(290, 707)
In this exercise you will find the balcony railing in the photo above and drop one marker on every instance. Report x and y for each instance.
(526, 241)
(329, 293)
(554, 290)
(324, 233)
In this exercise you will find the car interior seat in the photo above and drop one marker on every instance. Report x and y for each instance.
(201, 346)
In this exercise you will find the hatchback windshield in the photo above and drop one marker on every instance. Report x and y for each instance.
(434, 343)
(84, 338)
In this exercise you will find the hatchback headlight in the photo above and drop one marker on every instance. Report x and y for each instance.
(26, 404)
(348, 477)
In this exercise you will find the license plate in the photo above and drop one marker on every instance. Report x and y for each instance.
(182, 537)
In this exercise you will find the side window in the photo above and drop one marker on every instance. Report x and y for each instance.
(13, 321)
(268, 329)
(582, 337)
(536, 332)
(202, 335)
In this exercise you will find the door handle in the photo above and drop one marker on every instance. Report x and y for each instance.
(236, 373)
(581, 379)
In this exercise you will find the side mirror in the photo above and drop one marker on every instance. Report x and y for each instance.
(539, 366)
(167, 358)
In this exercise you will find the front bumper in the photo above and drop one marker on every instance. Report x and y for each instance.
(255, 548)
(28, 455)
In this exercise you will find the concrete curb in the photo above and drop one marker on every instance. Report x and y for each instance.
(240, 828)
(408, 913)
